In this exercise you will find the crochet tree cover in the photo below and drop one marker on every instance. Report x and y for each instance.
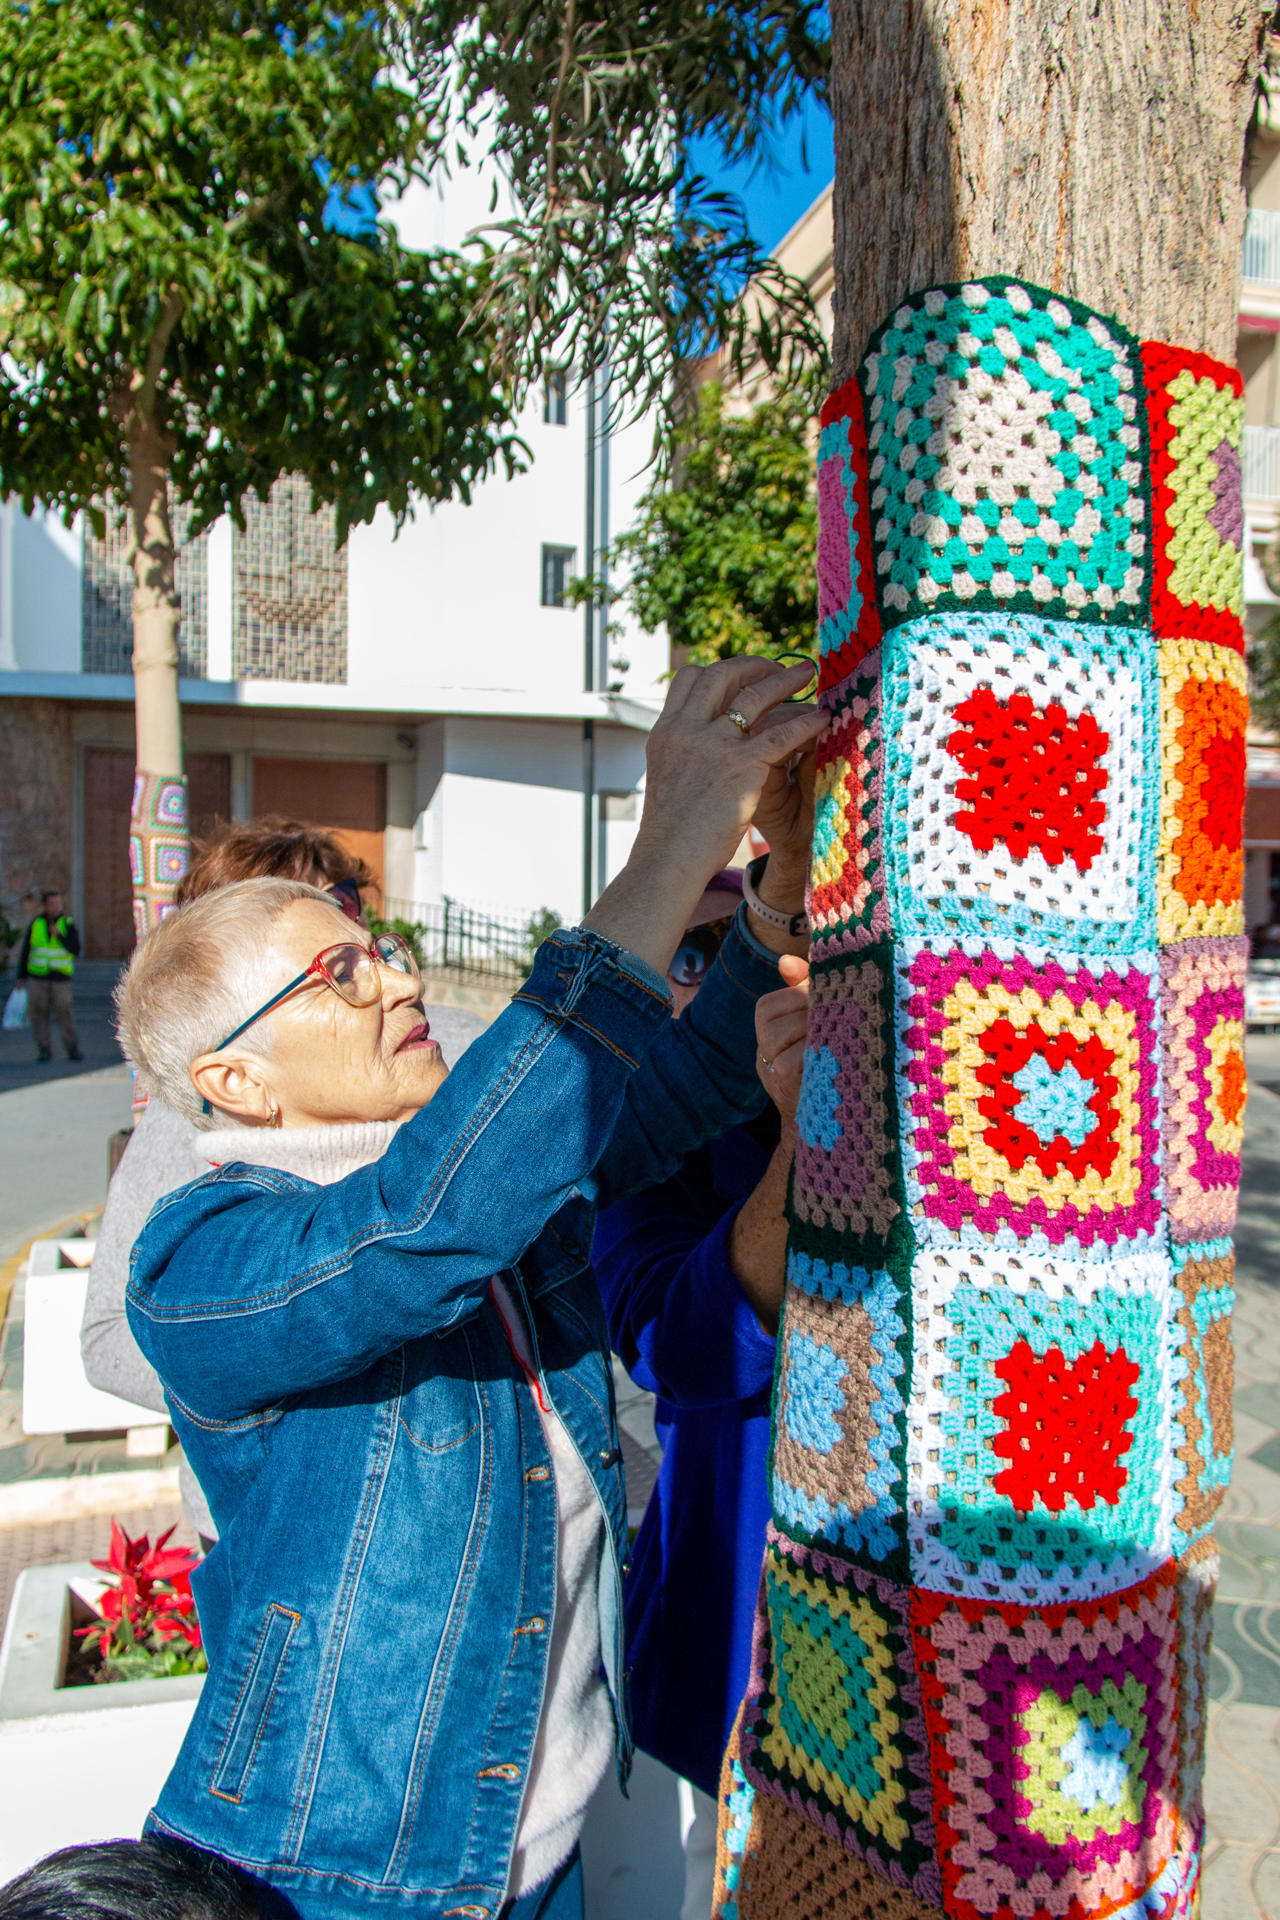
(1002, 1419)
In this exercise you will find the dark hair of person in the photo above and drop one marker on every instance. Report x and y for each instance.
(269, 848)
(150, 1879)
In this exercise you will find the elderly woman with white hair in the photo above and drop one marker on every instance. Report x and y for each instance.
(385, 1355)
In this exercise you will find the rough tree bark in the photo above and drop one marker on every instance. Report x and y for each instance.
(156, 610)
(1093, 149)
(159, 840)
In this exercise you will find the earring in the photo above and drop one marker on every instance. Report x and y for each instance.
(273, 1113)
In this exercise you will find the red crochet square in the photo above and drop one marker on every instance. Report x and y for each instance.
(1033, 777)
(848, 619)
(1195, 419)
(1065, 1426)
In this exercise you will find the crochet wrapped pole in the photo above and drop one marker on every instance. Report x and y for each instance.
(1002, 1417)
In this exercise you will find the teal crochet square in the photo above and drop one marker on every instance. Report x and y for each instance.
(1042, 1401)
(1022, 781)
(1008, 445)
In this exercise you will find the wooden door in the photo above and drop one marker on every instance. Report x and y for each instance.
(107, 931)
(347, 797)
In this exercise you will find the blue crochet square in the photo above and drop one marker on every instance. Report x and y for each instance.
(1022, 781)
(837, 1467)
(1007, 437)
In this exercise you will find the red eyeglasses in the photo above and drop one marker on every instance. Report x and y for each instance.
(350, 968)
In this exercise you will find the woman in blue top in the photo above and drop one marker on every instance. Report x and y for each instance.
(691, 1275)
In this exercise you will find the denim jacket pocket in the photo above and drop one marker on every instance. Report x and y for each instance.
(440, 1401)
(253, 1704)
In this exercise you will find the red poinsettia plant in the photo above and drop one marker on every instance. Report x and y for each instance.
(148, 1627)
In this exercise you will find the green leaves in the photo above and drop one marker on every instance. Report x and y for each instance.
(727, 555)
(177, 158)
(614, 247)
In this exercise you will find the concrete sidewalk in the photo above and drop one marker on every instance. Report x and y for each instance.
(1242, 1781)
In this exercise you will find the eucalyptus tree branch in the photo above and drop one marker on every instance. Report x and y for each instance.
(566, 54)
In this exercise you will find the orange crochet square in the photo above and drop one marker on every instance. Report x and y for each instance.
(1204, 709)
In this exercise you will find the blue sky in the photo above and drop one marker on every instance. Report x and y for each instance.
(776, 195)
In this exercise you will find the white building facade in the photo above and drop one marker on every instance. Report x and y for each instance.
(432, 697)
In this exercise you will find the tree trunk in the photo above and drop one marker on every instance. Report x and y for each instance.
(1002, 1415)
(1094, 149)
(159, 837)
(156, 609)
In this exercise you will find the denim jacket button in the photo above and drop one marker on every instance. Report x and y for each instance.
(610, 1456)
(538, 1473)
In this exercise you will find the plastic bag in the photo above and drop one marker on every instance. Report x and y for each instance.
(15, 1010)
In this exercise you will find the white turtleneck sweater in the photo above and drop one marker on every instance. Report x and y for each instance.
(575, 1734)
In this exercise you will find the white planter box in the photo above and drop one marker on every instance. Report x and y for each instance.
(87, 1763)
(56, 1396)
(78, 1763)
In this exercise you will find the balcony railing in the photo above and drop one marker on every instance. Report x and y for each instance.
(1262, 247)
(1260, 461)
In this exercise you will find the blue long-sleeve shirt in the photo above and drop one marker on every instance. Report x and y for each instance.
(685, 1331)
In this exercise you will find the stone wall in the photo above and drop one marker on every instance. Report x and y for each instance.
(37, 786)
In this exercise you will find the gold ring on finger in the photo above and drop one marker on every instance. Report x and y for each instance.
(739, 720)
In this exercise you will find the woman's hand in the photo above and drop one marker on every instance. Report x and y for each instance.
(782, 1020)
(785, 818)
(705, 777)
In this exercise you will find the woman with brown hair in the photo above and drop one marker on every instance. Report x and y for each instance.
(162, 1154)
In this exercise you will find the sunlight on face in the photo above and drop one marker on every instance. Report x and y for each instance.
(331, 1062)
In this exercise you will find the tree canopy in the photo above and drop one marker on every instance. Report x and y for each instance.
(726, 553)
(618, 250)
(168, 177)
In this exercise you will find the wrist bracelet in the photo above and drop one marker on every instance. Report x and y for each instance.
(793, 923)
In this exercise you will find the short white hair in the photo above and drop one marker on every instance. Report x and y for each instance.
(195, 978)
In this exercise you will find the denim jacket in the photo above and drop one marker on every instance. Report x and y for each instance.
(378, 1607)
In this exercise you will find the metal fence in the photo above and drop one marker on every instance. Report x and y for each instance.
(455, 938)
(1260, 462)
(1262, 247)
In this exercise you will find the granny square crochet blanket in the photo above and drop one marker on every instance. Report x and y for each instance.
(1002, 1415)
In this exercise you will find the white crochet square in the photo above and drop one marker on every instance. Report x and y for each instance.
(965, 1536)
(940, 880)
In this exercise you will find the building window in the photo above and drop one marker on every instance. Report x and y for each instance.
(106, 598)
(290, 593)
(557, 565)
(555, 397)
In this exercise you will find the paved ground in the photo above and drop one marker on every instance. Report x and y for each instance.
(53, 1130)
(1242, 1859)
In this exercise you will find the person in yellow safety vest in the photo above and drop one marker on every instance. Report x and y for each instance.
(45, 966)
